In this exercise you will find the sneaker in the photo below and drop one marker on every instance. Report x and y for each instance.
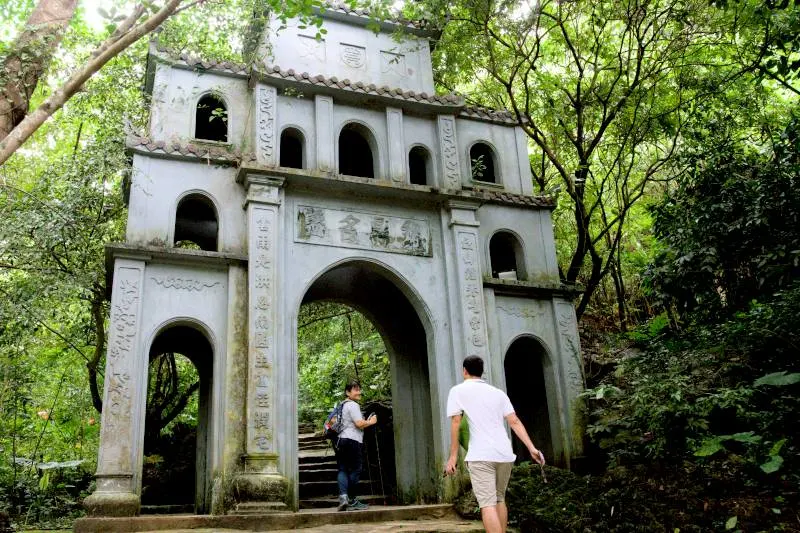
(357, 505)
(343, 503)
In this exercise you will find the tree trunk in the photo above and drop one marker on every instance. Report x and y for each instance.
(125, 35)
(28, 57)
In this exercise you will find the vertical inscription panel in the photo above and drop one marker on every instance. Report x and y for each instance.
(260, 420)
(117, 427)
(451, 170)
(265, 125)
(568, 333)
(475, 341)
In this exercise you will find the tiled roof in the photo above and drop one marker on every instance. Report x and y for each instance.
(201, 64)
(343, 8)
(507, 198)
(218, 154)
(361, 87)
(275, 72)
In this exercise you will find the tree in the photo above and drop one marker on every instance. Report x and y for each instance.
(132, 28)
(600, 88)
(26, 62)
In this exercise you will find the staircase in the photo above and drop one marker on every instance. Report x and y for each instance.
(318, 486)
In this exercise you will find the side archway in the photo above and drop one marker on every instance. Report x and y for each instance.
(526, 366)
(420, 167)
(178, 420)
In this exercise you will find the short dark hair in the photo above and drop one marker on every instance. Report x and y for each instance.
(352, 384)
(474, 366)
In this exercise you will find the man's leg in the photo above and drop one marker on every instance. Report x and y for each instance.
(502, 514)
(491, 520)
(503, 475)
(342, 477)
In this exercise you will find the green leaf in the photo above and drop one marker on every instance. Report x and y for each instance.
(773, 465)
(778, 379)
(731, 523)
(709, 447)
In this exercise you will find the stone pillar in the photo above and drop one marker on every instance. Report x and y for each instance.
(448, 146)
(261, 487)
(120, 439)
(326, 142)
(266, 137)
(397, 145)
(466, 252)
(573, 380)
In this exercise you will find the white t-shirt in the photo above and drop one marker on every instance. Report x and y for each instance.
(485, 408)
(351, 412)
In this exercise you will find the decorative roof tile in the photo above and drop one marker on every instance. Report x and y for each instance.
(216, 153)
(507, 198)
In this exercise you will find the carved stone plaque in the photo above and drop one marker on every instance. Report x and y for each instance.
(353, 56)
(359, 229)
(311, 47)
(393, 63)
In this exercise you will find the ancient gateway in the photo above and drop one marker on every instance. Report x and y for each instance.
(328, 169)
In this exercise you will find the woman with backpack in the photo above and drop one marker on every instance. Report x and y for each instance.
(350, 448)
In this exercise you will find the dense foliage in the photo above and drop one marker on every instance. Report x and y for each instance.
(667, 130)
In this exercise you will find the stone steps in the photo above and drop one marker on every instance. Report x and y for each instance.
(324, 502)
(422, 517)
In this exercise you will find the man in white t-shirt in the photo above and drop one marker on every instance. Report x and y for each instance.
(350, 449)
(489, 455)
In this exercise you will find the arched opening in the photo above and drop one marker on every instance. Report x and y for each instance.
(196, 224)
(336, 344)
(211, 119)
(176, 451)
(379, 336)
(524, 364)
(482, 163)
(357, 153)
(506, 257)
(292, 142)
(419, 162)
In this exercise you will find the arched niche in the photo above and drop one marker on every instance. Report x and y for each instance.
(506, 256)
(211, 119)
(196, 223)
(186, 453)
(483, 163)
(527, 366)
(292, 149)
(419, 166)
(358, 151)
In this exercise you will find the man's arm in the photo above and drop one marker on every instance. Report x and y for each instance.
(365, 423)
(517, 427)
(455, 422)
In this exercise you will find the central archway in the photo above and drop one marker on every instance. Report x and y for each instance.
(398, 315)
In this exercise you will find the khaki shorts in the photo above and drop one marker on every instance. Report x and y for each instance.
(489, 481)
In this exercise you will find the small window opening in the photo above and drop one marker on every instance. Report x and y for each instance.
(291, 148)
(482, 163)
(355, 153)
(196, 224)
(418, 162)
(505, 254)
(211, 120)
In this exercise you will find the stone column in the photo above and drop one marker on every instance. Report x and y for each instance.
(448, 146)
(120, 441)
(397, 145)
(326, 142)
(573, 380)
(266, 137)
(466, 252)
(261, 487)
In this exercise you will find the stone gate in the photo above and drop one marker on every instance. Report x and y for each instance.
(328, 169)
